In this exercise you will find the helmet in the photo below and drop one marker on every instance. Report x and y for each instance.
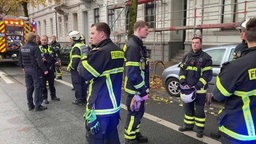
(75, 35)
(82, 37)
(242, 25)
(187, 95)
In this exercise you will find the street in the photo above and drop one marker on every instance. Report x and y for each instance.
(62, 122)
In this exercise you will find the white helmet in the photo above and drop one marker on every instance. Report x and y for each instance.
(75, 35)
(242, 24)
(187, 95)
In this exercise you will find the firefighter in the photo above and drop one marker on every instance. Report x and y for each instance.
(104, 69)
(136, 82)
(56, 48)
(243, 45)
(49, 59)
(78, 51)
(238, 117)
(195, 73)
(31, 61)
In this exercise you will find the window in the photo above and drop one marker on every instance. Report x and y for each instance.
(60, 26)
(75, 20)
(127, 20)
(39, 28)
(150, 14)
(51, 27)
(111, 17)
(232, 11)
(217, 56)
(96, 15)
(45, 27)
(66, 24)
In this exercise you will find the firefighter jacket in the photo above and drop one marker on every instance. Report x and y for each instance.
(236, 84)
(30, 57)
(238, 52)
(49, 55)
(196, 70)
(104, 69)
(136, 67)
(78, 51)
(56, 48)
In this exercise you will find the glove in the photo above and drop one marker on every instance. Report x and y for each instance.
(92, 124)
(136, 102)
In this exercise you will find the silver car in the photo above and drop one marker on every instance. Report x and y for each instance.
(219, 54)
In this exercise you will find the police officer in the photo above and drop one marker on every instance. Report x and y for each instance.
(56, 49)
(238, 117)
(136, 82)
(49, 59)
(79, 51)
(243, 45)
(31, 61)
(195, 73)
(104, 69)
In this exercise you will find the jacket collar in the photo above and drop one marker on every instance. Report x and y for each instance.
(248, 50)
(137, 39)
(103, 43)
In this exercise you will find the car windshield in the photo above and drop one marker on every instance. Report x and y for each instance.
(217, 56)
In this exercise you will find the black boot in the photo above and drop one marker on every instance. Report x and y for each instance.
(132, 141)
(55, 99)
(140, 138)
(184, 128)
(40, 108)
(199, 134)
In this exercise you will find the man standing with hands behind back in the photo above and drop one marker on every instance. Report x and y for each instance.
(136, 82)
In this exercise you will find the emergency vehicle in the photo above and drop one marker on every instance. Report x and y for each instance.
(12, 37)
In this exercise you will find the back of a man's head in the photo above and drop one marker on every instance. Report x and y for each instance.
(250, 32)
(31, 36)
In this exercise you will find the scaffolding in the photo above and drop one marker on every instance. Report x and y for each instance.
(198, 15)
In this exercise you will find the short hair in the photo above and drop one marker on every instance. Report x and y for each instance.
(198, 38)
(250, 32)
(45, 36)
(103, 27)
(140, 24)
(31, 36)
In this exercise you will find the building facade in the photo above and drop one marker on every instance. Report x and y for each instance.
(172, 23)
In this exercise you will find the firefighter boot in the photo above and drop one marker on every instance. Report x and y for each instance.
(199, 134)
(185, 128)
(141, 139)
(132, 141)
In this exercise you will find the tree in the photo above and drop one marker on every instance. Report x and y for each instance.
(132, 16)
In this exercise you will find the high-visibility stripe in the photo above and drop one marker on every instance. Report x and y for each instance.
(245, 93)
(182, 77)
(107, 111)
(140, 85)
(248, 116)
(236, 135)
(189, 117)
(203, 81)
(129, 134)
(188, 121)
(206, 68)
(76, 56)
(90, 69)
(200, 119)
(129, 63)
(199, 124)
(191, 68)
(221, 88)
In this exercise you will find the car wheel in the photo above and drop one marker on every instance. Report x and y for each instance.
(172, 87)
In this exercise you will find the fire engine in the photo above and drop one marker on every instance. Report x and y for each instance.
(12, 36)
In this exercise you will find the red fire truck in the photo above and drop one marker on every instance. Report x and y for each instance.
(12, 36)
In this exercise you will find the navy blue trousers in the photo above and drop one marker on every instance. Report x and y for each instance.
(79, 85)
(50, 78)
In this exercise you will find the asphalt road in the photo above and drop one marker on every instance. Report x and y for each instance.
(62, 122)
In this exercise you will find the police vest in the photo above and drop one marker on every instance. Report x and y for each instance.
(83, 51)
(45, 51)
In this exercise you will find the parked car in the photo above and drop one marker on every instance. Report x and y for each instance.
(64, 54)
(219, 54)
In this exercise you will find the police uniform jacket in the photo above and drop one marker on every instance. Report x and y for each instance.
(30, 57)
(56, 48)
(49, 55)
(79, 51)
(196, 70)
(236, 84)
(104, 69)
(136, 67)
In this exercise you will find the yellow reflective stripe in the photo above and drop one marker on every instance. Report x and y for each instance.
(188, 122)
(201, 91)
(248, 116)
(129, 63)
(182, 77)
(129, 134)
(236, 135)
(244, 93)
(139, 85)
(200, 119)
(117, 54)
(75, 56)
(129, 91)
(107, 111)
(110, 91)
(125, 48)
(203, 81)
(221, 88)
(206, 68)
(112, 71)
(90, 69)
(189, 117)
(191, 68)
(199, 124)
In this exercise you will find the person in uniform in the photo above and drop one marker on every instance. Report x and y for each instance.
(104, 69)
(56, 49)
(31, 61)
(238, 117)
(195, 73)
(49, 59)
(136, 83)
(78, 51)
